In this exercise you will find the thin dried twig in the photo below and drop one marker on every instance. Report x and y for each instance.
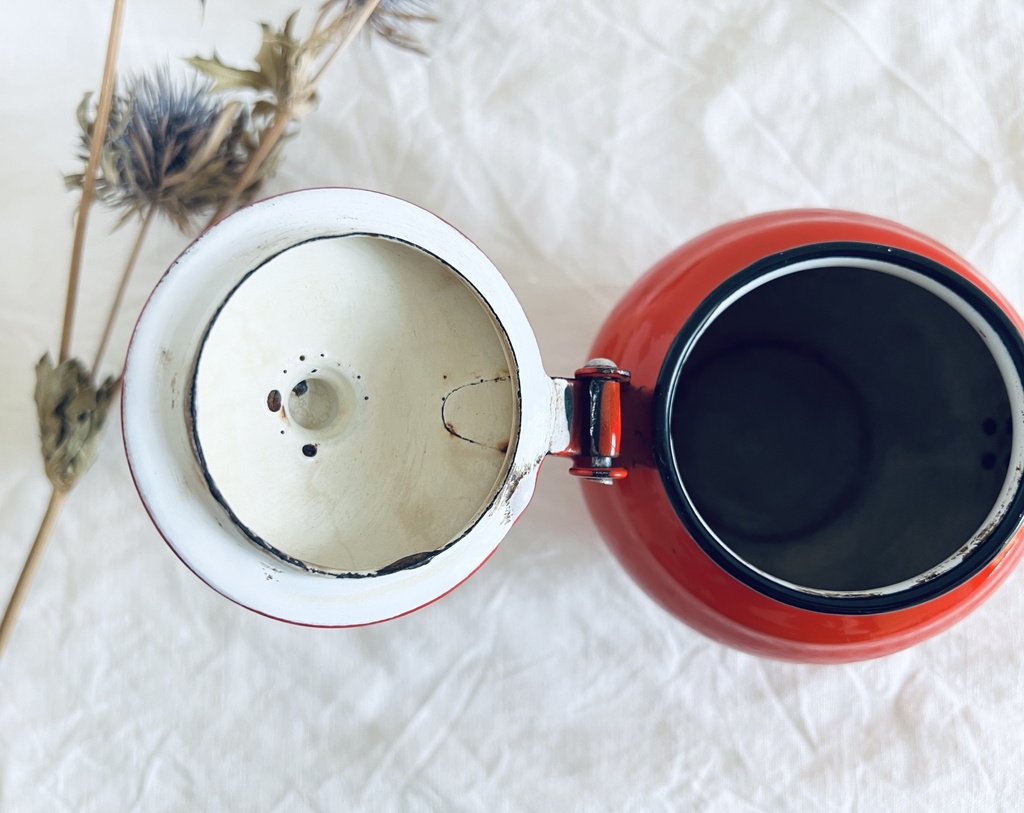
(57, 494)
(363, 16)
(89, 181)
(115, 306)
(267, 144)
(35, 555)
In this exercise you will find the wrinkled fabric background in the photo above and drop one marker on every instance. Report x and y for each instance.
(576, 143)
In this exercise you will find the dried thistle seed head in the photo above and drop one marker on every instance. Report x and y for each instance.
(175, 149)
(394, 20)
(71, 412)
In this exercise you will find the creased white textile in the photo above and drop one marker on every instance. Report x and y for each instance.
(576, 143)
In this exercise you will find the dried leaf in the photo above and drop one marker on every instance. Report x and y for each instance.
(287, 64)
(269, 59)
(289, 25)
(82, 111)
(71, 415)
(284, 75)
(227, 78)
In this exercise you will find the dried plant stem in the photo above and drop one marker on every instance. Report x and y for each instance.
(365, 12)
(283, 117)
(267, 142)
(57, 496)
(115, 306)
(35, 555)
(89, 180)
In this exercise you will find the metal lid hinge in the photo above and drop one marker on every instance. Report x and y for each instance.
(590, 421)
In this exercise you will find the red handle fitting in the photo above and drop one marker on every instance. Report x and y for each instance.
(596, 427)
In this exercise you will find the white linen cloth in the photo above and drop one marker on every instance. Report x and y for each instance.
(576, 143)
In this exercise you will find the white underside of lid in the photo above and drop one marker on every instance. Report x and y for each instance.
(427, 415)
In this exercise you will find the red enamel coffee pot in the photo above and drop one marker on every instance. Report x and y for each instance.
(801, 431)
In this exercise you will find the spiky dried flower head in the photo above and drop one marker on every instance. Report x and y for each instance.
(395, 20)
(172, 148)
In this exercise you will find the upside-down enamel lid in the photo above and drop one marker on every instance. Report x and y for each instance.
(334, 407)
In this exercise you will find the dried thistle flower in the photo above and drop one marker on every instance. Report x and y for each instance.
(71, 413)
(178, 150)
(394, 20)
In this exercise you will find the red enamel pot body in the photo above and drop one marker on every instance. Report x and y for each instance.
(726, 570)
(803, 432)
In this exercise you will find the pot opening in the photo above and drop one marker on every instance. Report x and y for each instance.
(847, 426)
(355, 405)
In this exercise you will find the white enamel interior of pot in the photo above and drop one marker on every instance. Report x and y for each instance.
(428, 413)
(353, 404)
